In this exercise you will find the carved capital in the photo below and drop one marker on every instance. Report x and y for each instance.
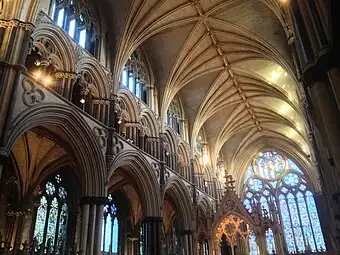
(15, 23)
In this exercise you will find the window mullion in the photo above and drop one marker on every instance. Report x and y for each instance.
(111, 238)
(310, 221)
(57, 227)
(46, 222)
(291, 223)
(301, 224)
(104, 232)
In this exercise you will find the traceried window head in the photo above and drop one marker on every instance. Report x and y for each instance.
(276, 184)
(135, 77)
(77, 20)
(270, 165)
(52, 215)
(175, 116)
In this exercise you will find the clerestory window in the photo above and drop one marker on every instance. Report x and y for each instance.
(77, 21)
(135, 77)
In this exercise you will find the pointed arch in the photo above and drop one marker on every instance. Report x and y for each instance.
(82, 141)
(130, 104)
(171, 140)
(138, 168)
(206, 206)
(242, 160)
(96, 76)
(151, 123)
(180, 195)
(53, 44)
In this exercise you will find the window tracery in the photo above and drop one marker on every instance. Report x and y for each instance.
(175, 116)
(110, 230)
(76, 19)
(135, 77)
(52, 214)
(273, 180)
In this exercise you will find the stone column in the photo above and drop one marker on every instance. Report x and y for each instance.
(152, 235)
(14, 45)
(91, 229)
(187, 241)
(85, 209)
(98, 229)
(65, 80)
(325, 220)
(27, 219)
(328, 116)
(211, 243)
(334, 80)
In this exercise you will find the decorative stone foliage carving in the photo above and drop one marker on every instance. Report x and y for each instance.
(31, 94)
(117, 145)
(156, 168)
(166, 175)
(101, 135)
(230, 206)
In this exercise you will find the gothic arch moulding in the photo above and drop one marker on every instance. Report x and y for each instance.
(180, 195)
(275, 144)
(52, 43)
(134, 165)
(171, 140)
(94, 75)
(129, 105)
(82, 142)
(149, 123)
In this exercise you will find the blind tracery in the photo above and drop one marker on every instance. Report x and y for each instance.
(273, 180)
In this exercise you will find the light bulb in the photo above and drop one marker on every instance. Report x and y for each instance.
(37, 74)
(48, 80)
(82, 101)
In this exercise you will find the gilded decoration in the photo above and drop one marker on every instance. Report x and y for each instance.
(65, 75)
(232, 227)
(31, 94)
(15, 23)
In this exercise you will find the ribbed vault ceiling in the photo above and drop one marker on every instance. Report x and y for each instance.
(228, 60)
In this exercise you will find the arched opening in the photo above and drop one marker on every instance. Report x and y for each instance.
(277, 186)
(234, 236)
(39, 202)
(171, 231)
(122, 215)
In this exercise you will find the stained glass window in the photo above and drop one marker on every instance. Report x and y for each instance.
(135, 77)
(51, 216)
(270, 241)
(278, 185)
(254, 249)
(110, 230)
